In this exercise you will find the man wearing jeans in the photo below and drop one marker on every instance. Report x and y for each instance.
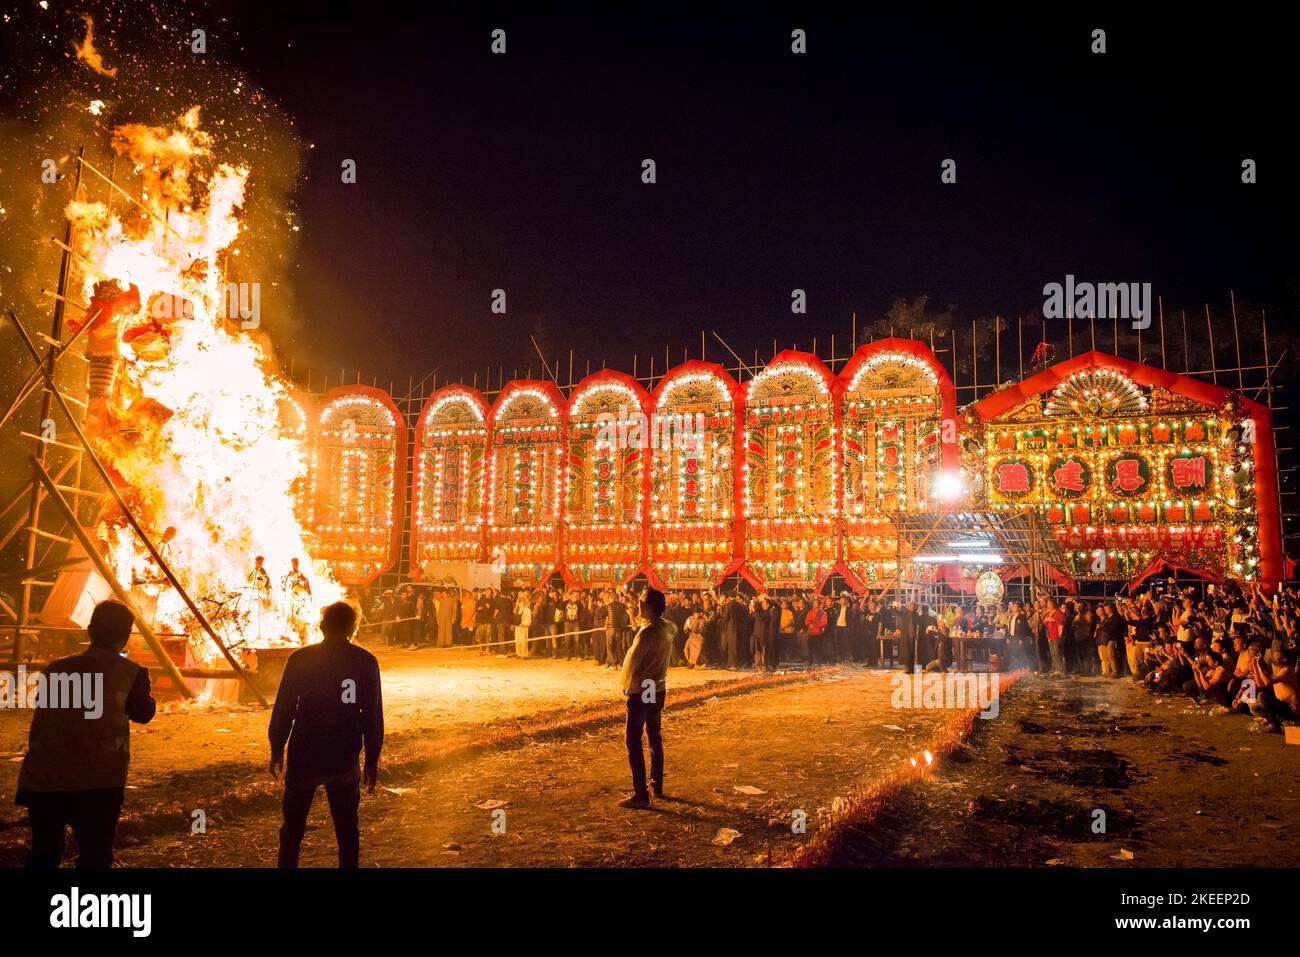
(329, 705)
(645, 675)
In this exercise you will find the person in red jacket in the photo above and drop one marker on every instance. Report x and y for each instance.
(1054, 621)
(815, 625)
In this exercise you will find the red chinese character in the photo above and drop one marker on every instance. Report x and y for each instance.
(1127, 476)
(1189, 472)
(1013, 477)
(1069, 477)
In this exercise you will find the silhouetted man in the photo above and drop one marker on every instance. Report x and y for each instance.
(645, 675)
(79, 748)
(329, 705)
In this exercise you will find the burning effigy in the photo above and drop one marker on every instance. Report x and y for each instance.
(186, 406)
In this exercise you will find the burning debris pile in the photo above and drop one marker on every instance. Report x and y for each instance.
(185, 404)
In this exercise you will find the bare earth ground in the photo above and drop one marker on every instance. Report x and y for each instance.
(188, 753)
(1019, 792)
(801, 745)
(1180, 785)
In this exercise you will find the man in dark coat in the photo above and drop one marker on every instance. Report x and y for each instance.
(329, 705)
(503, 619)
(599, 645)
(734, 632)
(79, 746)
(621, 621)
(906, 625)
(760, 640)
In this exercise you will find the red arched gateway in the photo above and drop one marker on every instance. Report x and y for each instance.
(526, 480)
(898, 442)
(448, 501)
(695, 502)
(358, 483)
(605, 481)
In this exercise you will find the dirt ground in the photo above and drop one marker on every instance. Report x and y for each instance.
(1179, 785)
(191, 755)
(500, 762)
(800, 745)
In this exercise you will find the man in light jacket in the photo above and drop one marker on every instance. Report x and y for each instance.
(644, 681)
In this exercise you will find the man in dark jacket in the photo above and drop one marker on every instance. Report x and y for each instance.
(329, 705)
(599, 645)
(79, 747)
(618, 627)
(503, 619)
(758, 641)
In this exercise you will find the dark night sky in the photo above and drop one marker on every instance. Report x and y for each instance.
(775, 171)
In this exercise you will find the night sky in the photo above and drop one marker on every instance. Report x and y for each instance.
(775, 171)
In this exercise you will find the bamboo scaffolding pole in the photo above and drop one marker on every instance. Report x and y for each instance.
(83, 163)
(1020, 347)
(22, 493)
(1187, 362)
(1161, 311)
(1236, 337)
(47, 366)
(1214, 362)
(101, 566)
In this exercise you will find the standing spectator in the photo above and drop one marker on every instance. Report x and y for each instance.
(503, 615)
(1110, 631)
(815, 625)
(523, 623)
(1054, 623)
(447, 608)
(328, 706)
(600, 635)
(468, 607)
(759, 639)
(905, 631)
(644, 683)
(75, 769)
(484, 619)
(1084, 628)
(620, 620)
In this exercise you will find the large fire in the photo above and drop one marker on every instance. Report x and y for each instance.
(187, 405)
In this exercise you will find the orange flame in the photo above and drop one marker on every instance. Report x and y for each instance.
(87, 53)
(200, 424)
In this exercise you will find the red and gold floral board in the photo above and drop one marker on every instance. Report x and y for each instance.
(447, 520)
(526, 478)
(357, 479)
(891, 422)
(790, 473)
(692, 481)
(606, 459)
(1126, 474)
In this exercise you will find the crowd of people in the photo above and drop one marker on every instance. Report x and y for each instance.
(1233, 650)
(713, 630)
(1234, 647)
